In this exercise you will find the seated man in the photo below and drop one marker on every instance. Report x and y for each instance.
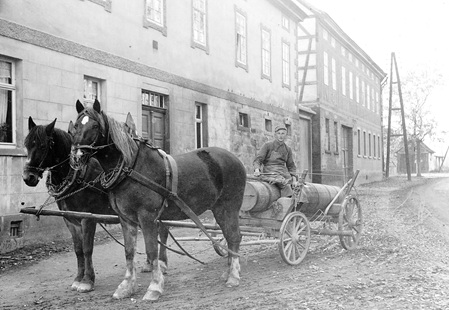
(277, 160)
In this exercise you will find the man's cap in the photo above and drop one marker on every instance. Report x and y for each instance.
(280, 127)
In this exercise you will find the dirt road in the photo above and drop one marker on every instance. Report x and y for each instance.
(401, 263)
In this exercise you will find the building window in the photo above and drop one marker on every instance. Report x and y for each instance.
(336, 136)
(266, 53)
(285, 64)
(364, 143)
(200, 125)
(351, 86)
(378, 146)
(327, 139)
(325, 34)
(362, 94)
(359, 143)
(326, 68)
(334, 74)
(285, 23)
(199, 24)
(376, 106)
(7, 100)
(16, 229)
(289, 129)
(92, 90)
(268, 125)
(369, 144)
(243, 120)
(374, 146)
(332, 42)
(241, 36)
(155, 15)
(153, 99)
(371, 99)
(357, 89)
(343, 51)
(343, 81)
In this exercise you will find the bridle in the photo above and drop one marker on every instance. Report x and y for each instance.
(39, 170)
(77, 162)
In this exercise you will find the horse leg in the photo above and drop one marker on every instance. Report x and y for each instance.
(88, 281)
(128, 285)
(163, 260)
(228, 220)
(150, 234)
(77, 237)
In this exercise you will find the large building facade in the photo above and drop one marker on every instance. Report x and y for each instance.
(342, 85)
(192, 74)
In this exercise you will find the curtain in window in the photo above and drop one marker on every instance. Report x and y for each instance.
(6, 78)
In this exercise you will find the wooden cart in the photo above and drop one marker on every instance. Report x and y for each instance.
(281, 220)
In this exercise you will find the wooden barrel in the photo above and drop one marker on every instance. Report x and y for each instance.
(319, 196)
(259, 196)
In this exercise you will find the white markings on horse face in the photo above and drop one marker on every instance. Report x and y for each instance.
(85, 120)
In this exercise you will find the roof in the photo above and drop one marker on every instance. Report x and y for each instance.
(411, 146)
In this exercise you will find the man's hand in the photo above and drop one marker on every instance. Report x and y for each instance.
(257, 173)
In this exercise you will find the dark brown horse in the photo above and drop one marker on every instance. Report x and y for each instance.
(48, 148)
(207, 179)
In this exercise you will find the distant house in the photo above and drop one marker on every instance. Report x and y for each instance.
(425, 158)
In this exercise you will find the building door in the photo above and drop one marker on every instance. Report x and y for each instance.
(346, 149)
(304, 158)
(153, 126)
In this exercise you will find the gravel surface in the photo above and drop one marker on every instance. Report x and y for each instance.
(400, 263)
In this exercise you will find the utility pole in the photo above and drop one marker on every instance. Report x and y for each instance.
(390, 110)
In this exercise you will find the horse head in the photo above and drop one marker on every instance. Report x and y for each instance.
(39, 145)
(89, 134)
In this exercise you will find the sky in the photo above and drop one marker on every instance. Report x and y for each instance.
(416, 31)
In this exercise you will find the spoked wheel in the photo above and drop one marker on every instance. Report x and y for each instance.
(350, 219)
(220, 251)
(294, 238)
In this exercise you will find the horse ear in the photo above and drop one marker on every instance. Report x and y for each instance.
(97, 106)
(79, 107)
(31, 123)
(71, 129)
(50, 127)
(130, 122)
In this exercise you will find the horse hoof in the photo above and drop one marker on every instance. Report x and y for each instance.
(85, 287)
(152, 295)
(232, 282)
(124, 291)
(75, 286)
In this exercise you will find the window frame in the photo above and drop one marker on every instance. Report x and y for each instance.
(195, 43)
(343, 80)
(264, 52)
(87, 101)
(334, 73)
(325, 68)
(239, 50)
(200, 125)
(13, 89)
(286, 63)
(149, 23)
(285, 21)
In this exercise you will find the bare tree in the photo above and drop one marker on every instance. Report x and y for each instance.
(420, 119)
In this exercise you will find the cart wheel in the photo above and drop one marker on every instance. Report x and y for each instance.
(350, 219)
(220, 251)
(294, 238)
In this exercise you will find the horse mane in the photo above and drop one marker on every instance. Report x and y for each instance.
(122, 139)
